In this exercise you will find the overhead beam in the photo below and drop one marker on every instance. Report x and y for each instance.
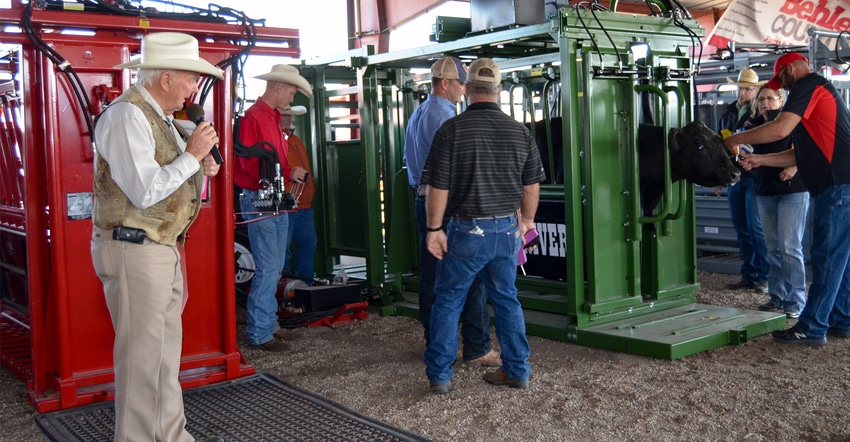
(371, 21)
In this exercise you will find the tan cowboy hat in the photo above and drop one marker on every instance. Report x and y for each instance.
(294, 110)
(172, 50)
(288, 74)
(746, 78)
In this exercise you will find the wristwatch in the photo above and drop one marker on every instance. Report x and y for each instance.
(436, 229)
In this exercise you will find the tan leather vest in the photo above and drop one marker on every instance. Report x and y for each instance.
(165, 222)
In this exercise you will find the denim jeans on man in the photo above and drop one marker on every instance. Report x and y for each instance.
(475, 327)
(493, 254)
(302, 233)
(745, 218)
(784, 221)
(828, 305)
(268, 242)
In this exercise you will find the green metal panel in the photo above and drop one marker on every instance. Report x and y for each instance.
(346, 199)
(371, 182)
(315, 132)
(681, 331)
(572, 88)
(606, 177)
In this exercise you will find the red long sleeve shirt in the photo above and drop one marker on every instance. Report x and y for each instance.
(260, 123)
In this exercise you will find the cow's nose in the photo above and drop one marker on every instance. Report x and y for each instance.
(735, 176)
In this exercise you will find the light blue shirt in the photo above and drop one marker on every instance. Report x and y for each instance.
(421, 127)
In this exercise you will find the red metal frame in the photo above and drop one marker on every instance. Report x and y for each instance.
(61, 341)
(347, 314)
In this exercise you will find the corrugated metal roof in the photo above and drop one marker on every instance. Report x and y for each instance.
(705, 4)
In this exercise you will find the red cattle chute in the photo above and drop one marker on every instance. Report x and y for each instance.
(55, 328)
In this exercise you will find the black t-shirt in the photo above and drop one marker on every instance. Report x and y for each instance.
(822, 139)
(767, 178)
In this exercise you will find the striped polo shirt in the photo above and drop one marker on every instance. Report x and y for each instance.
(483, 157)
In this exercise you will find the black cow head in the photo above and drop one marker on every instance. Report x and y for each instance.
(698, 155)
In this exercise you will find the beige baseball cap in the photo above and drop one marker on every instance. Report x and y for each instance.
(486, 70)
(449, 68)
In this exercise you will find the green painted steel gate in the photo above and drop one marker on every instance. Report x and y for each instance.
(616, 278)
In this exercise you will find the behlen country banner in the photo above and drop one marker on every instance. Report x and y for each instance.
(779, 22)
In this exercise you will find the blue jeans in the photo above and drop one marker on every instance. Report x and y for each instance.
(828, 305)
(302, 233)
(493, 254)
(475, 328)
(745, 218)
(268, 243)
(784, 221)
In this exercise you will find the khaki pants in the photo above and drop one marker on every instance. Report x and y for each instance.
(143, 286)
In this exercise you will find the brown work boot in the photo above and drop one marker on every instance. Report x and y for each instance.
(491, 359)
(499, 377)
(273, 346)
(280, 334)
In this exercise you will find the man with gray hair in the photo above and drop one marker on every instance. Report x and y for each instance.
(482, 172)
(448, 76)
(148, 178)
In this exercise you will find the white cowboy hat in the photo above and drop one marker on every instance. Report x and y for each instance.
(172, 50)
(285, 73)
(294, 110)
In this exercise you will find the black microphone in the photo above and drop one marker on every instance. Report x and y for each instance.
(196, 113)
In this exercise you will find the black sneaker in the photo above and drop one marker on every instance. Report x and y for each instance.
(740, 285)
(794, 336)
(769, 307)
(442, 388)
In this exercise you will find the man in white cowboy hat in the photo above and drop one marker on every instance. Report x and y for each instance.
(267, 237)
(146, 172)
(742, 196)
(302, 229)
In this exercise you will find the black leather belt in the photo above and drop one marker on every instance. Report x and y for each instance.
(479, 218)
(129, 234)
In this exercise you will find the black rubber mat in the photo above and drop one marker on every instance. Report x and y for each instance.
(261, 407)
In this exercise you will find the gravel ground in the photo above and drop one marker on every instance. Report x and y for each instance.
(761, 391)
